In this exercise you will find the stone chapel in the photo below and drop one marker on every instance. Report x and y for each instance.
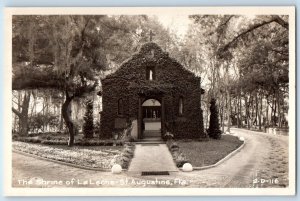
(154, 92)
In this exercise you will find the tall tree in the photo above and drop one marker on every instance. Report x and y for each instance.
(71, 52)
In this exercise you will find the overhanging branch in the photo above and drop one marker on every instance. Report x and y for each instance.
(16, 112)
(276, 19)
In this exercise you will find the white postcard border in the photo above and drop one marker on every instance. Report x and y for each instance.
(251, 10)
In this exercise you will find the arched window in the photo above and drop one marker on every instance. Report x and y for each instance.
(150, 73)
(180, 106)
(120, 106)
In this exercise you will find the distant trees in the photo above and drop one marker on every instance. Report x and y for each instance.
(41, 111)
(248, 74)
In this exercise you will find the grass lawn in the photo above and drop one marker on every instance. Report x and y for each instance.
(89, 156)
(277, 165)
(203, 153)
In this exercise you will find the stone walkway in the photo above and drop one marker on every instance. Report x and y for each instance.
(152, 157)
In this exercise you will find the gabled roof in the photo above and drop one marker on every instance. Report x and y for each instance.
(152, 53)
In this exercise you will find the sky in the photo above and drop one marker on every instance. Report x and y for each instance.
(176, 23)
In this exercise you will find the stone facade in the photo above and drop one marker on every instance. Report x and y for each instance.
(152, 74)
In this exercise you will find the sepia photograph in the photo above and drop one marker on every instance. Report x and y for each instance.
(150, 101)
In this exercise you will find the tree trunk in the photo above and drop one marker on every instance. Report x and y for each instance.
(251, 111)
(274, 111)
(267, 113)
(260, 113)
(33, 108)
(66, 113)
(256, 109)
(247, 106)
(279, 110)
(23, 124)
(240, 112)
(207, 115)
(228, 111)
(23, 118)
(23, 114)
(222, 114)
(61, 123)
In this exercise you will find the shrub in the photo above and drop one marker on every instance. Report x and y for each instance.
(39, 121)
(88, 126)
(168, 136)
(131, 139)
(174, 145)
(174, 149)
(33, 134)
(128, 151)
(15, 136)
(97, 128)
(54, 142)
(64, 141)
(178, 156)
(214, 126)
(181, 160)
(127, 155)
(28, 139)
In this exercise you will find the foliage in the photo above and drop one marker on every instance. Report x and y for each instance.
(88, 126)
(97, 128)
(125, 158)
(246, 60)
(214, 126)
(39, 121)
(177, 154)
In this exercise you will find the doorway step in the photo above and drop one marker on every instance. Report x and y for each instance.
(151, 140)
(152, 133)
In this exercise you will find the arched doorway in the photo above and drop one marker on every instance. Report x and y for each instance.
(151, 123)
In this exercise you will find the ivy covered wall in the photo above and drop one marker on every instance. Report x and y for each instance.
(171, 82)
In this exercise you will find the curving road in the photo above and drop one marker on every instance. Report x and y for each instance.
(263, 162)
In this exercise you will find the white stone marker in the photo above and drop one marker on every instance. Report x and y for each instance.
(187, 167)
(242, 138)
(116, 169)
